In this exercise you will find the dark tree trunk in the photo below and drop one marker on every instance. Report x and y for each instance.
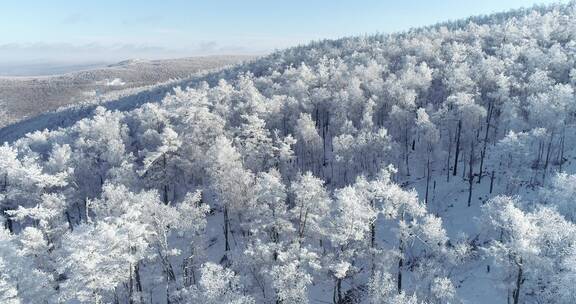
(449, 157)
(547, 160)
(491, 181)
(138, 278)
(168, 295)
(135, 281)
(337, 294)
(69, 219)
(79, 210)
(485, 144)
(560, 158)
(372, 235)
(400, 266)
(516, 293)
(406, 155)
(226, 227)
(165, 194)
(86, 210)
(165, 188)
(373, 240)
(9, 224)
(457, 148)
(471, 173)
(170, 274)
(427, 178)
(131, 286)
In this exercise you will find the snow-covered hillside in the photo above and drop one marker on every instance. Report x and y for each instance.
(431, 166)
(26, 97)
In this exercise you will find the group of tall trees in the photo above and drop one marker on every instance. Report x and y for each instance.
(311, 175)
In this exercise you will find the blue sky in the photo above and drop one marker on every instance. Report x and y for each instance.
(103, 30)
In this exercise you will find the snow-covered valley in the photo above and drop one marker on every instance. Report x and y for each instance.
(25, 97)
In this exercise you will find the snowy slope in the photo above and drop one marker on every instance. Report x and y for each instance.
(126, 98)
(26, 97)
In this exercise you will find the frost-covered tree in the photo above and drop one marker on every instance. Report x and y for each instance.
(561, 194)
(94, 262)
(311, 207)
(530, 246)
(101, 145)
(26, 180)
(268, 215)
(430, 136)
(291, 277)
(216, 285)
(20, 279)
(309, 143)
(160, 166)
(229, 180)
(519, 155)
(255, 143)
(191, 223)
(364, 151)
(381, 289)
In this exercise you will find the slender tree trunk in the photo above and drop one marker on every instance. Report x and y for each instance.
(547, 160)
(69, 219)
(188, 271)
(464, 163)
(457, 148)
(165, 194)
(337, 293)
(131, 286)
(516, 293)
(400, 266)
(406, 156)
(372, 235)
(8, 222)
(561, 153)
(339, 288)
(427, 177)
(449, 157)
(86, 213)
(165, 190)
(226, 227)
(491, 181)
(470, 173)
(373, 241)
(540, 152)
(168, 294)
(304, 219)
(170, 276)
(401, 260)
(5, 183)
(334, 299)
(138, 281)
(79, 210)
(485, 144)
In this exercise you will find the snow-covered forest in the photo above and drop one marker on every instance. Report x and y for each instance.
(435, 165)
